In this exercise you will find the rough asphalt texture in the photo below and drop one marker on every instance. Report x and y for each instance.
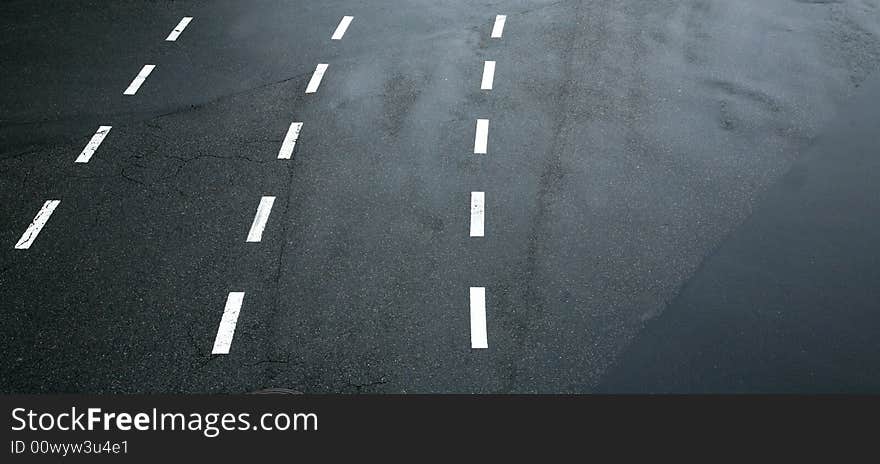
(680, 196)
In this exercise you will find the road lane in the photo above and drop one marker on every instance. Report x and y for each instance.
(149, 246)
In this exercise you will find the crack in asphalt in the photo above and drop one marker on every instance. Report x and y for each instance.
(359, 387)
(197, 106)
(275, 310)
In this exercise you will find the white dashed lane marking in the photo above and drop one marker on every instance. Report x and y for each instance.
(177, 30)
(479, 338)
(488, 75)
(481, 140)
(139, 79)
(227, 323)
(93, 144)
(290, 141)
(478, 213)
(343, 26)
(498, 28)
(260, 219)
(315, 81)
(37, 225)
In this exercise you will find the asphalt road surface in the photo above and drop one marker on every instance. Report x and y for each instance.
(675, 196)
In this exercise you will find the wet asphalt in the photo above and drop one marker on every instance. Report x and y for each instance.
(680, 196)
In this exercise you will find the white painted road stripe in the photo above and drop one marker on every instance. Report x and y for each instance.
(478, 213)
(177, 30)
(482, 138)
(227, 323)
(139, 79)
(290, 140)
(479, 339)
(488, 75)
(498, 29)
(37, 225)
(316, 78)
(262, 216)
(343, 26)
(93, 144)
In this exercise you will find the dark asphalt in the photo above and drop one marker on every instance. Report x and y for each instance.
(680, 196)
(789, 301)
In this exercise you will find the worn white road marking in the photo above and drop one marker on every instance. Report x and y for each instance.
(498, 28)
(177, 30)
(315, 81)
(481, 140)
(290, 140)
(260, 219)
(139, 79)
(93, 144)
(478, 213)
(227, 323)
(37, 225)
(479, 339)
(488, 75)
(343, 26)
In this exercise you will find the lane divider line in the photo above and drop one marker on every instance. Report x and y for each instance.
(37, 224)
(226, 330)
(498, 28)
(93, 144)
(478, 213)
(488, 75)
(315, 81)
(343, 26)
(481, 140)
(290, 140)
(479, 338)
(139, 79)
(172, 37)
(260, 219)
